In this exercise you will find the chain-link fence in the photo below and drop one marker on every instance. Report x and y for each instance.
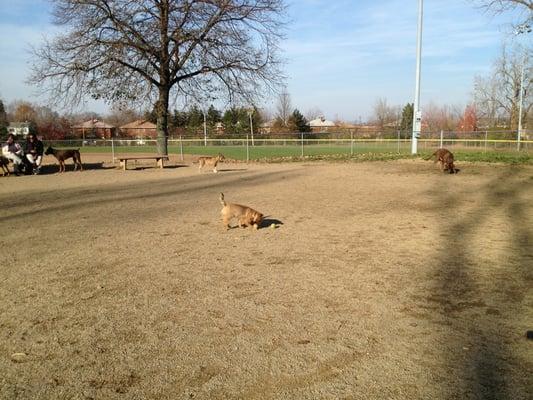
(311, 144)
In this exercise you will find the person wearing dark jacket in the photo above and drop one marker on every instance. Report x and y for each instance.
(34, 152)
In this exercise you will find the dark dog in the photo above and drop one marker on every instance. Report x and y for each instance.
(446, 160)
(4, 162)
(63, 155)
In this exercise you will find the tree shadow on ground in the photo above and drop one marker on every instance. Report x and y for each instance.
(23, 206)
(475, 306)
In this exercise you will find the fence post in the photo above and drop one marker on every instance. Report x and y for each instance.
(181, 149)
(113, 150)
(351, 142)
(441, 137)
(302, 144)
(486, 135)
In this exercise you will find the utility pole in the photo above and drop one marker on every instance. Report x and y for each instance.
(205, 128)
(417, 116)
(520, 104)
(250, 113)
(523, 28)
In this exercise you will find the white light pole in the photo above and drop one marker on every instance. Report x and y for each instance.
(205, 129)
(520, 105)
(524, 28)
(417, 117)
(250, 113)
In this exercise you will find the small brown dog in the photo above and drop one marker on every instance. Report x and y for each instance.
(63, 155)
(246, 215)
(4, 162)
(210, 161)
(445, 158)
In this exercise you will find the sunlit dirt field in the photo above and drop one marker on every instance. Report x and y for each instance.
(381, 281)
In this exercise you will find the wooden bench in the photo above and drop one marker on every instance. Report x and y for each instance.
(159, 160)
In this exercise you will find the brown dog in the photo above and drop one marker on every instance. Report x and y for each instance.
(210, 161)
(445, 158)
(246, 216)
(4, 162)
(63, 155)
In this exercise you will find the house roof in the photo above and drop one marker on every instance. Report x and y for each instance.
(92, 124)
(321, 122)
(139, 124)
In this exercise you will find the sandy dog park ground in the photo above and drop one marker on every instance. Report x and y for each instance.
(383, 280)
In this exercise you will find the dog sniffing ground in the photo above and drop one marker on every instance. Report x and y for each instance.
(385, 280)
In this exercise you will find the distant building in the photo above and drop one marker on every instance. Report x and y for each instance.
(94, 129)
(266, 127)
(219, 128)
(19, 128)
(139, 129)
(321, 125)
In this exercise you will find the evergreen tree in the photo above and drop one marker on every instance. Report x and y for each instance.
(236, 120)
(257, 119)
(406, 125)
(213, 116)
(195, 120)
(179, 119)
(3, 120)
(298, 123)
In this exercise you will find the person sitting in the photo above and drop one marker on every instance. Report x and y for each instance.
(13, 151)
(34, 152)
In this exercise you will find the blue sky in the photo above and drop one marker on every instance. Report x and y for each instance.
(341, 54)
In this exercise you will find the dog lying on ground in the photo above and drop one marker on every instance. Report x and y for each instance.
(246, 216)
(445, 158)
(4, 162)
(210, 162)
(63, 155)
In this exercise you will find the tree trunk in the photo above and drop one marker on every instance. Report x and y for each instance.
(162, 122)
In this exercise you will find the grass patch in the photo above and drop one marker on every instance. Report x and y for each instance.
(288, 153)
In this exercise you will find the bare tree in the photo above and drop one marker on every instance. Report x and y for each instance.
(284, 107)
(385, 114)
(499, 93)
(134, 51)
(441, 117)
(119, 115)
(524, 7)
(313, 113)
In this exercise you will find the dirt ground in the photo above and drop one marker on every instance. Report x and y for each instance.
(382, 281)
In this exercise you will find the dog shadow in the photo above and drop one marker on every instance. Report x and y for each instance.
(455, 171)
(267, 222)
(50, 169)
